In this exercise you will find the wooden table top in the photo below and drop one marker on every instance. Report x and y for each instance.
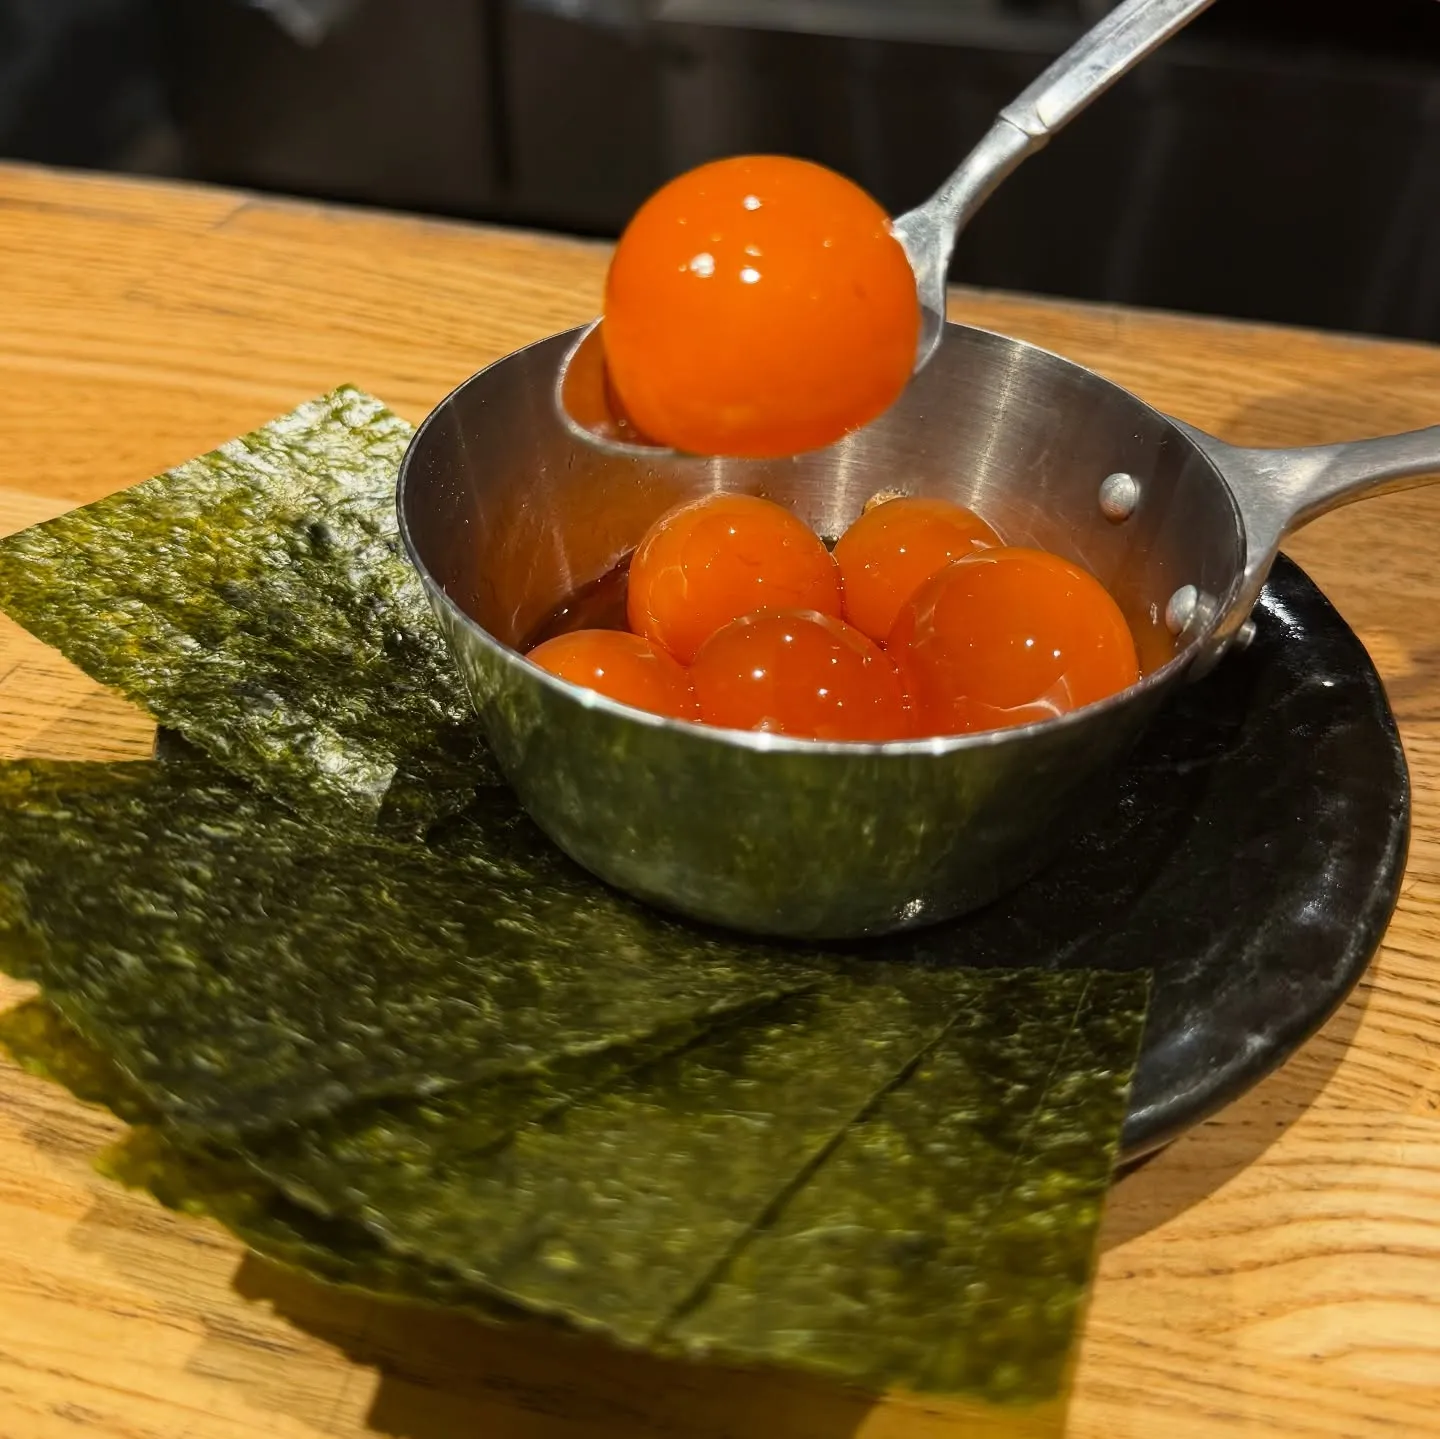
(1276, 1272)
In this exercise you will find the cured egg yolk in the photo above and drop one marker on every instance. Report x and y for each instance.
(893, 548)
(715, 559)
(623, 667)
(1008, 637)
(758, 306)
(799, 673)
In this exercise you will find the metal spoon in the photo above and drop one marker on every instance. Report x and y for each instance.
(1126, 35)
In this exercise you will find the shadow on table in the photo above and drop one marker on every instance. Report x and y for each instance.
(446, 1376)
(1156, 1189)
(280, 1356)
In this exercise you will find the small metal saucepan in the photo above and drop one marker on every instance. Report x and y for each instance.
(505, 514)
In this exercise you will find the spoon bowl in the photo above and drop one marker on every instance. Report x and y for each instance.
(1124, 37)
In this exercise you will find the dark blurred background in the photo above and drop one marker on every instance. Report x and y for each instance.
(1280, 160)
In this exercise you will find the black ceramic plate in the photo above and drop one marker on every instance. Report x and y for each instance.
(1252, 862)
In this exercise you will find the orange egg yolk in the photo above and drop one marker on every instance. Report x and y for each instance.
(893, 548)
(623, 667)
(1008, 637)
(799, 673)
(713, 560)
(758, 306)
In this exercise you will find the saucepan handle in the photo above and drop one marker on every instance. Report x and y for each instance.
(1278, 491)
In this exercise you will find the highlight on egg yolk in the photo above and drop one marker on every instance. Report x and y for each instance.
(1007, 637)
(709, 562)
(894, 547)
(624, 667)
(799, 673)
(758, 306)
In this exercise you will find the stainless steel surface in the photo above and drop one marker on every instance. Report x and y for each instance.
(582, 401)
(1124, 37)
(505, 512)
(1280, 490)
(1119, 494)
(1182, 608)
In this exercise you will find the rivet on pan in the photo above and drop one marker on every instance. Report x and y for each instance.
(1119, 494)
(1244, 635)
(1181, 608)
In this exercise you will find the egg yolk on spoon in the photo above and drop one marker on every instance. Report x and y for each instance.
(758, 306)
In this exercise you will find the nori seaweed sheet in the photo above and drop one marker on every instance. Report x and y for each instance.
(947, 1243)
(616, 1209)
(38, 1038)
(256, 599)
(224, 1188)
(610, 1218)
(356, 1160)
(336, 1251)
(942, 1242)
(248, 968)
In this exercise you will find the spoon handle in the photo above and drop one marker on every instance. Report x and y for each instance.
(1126, 35)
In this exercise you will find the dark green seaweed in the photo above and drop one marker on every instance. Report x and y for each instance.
(248, 969)
(220, 1187)
(335, 1251)
(610, 1213)
(36, 1036)
(947, 1243)
(225, 1187)
(353, 1162)
(941, 1241)
(256, 600)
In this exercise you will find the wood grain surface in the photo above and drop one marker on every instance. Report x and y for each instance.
(1276, 1272)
